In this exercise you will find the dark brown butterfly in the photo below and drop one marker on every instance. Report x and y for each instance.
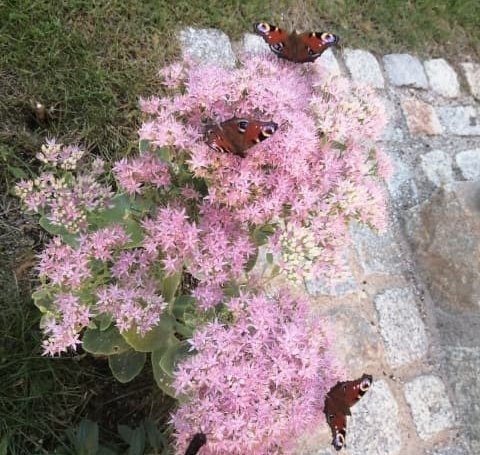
(296, 47)
(238, 134)
(338, 402)
(197, 442)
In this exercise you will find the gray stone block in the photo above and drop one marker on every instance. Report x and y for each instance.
(401, 326)
(207, 46)
(442, 77)
(469, 163)
(328, 63)
(364, 67)
(374, 425)
(460, 120)
(472, 74)
(405, 70)
(254, 44)
(437, 166)
(429, 404)
(377, 253)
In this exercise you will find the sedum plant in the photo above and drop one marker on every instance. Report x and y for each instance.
(160, 263)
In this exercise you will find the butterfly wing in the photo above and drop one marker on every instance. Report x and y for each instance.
(299, 48)
(311, 45)
(236, 135)
(197, 442)
(338, 402)
(275, 37)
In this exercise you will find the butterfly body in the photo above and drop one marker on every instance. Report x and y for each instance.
(197, 442)
(236, 135)
(296, 47)
(338, 402)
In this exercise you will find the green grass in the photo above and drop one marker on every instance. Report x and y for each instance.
(89, 60)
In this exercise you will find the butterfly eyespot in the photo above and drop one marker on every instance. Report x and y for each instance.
(262, 27)
(339, 441)
(242, 126)
(328, 37)
(277, 47)
(365, 384)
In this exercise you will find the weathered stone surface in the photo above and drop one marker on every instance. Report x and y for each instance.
(373, 427)
(328, 63)
(472, 74)
(429, 404)
(437, 166)
(401, 326)
(405, 70)
(359, 347)
(463, 374)
(364, 68)
(401, 184)
(469, 163)
(393, 130)
(208, 46)
(376, 253)
(460, 120)
(346, 285)
(445, 235)
(457, 448)
(421, 117)
(254, 44)
(442, 77)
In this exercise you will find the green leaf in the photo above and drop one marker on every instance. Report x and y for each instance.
(43, 300)
(182, 305)
(252, 260)
(137, 442)
(86, 439)
(67, 237)
(115, 214)
(261, 233)
(156, 438)
(163, 380)
(127, 365)
(106, 342)
(18, 173)
(143, 145)
(4, 445)
(153, 339)
(125, 432)
(104, 450)
(172, 355)
(164, 362)
(104, 321)
(169, 286)
(269, 258)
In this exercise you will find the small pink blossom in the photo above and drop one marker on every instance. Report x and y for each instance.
(258, 383)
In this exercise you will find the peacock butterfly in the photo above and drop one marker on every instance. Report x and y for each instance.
(238, 134)
(197, 442)
(338, 401)
(296, 47)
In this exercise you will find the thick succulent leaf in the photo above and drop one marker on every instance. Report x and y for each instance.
(153, 339)
(127, 365)
(106, 342)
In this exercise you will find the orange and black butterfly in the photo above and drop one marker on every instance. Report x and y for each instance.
(236, 135)
(197, 442)
(296, 47)
(338, 402)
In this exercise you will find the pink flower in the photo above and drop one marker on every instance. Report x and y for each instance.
(256, 384)
(133, 174)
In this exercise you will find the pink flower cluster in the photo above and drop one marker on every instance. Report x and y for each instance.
(129, 294)
(214, 251)
(65, 200)
(133, 174)
(257, 383)
(301, 173)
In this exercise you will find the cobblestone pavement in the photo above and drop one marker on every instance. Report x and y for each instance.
(409, 311)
